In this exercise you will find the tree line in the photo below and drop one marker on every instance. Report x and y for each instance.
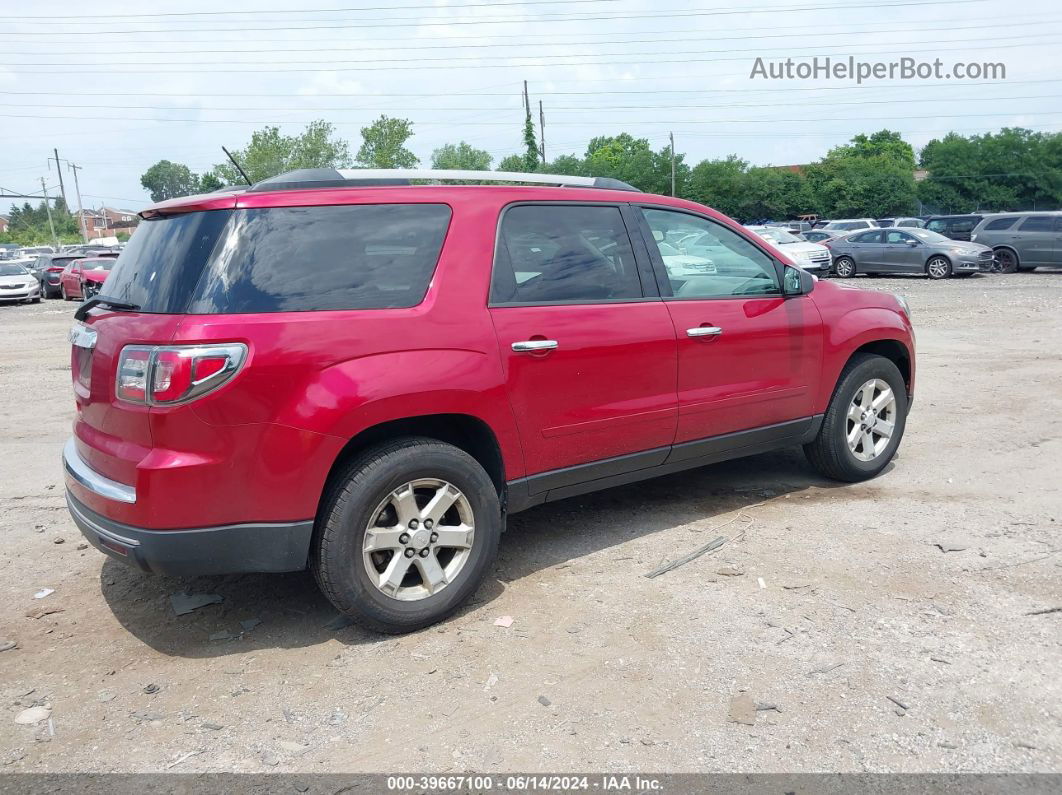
(873, 175)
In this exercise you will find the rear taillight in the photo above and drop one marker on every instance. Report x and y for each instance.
(54, 270)
(168, 374)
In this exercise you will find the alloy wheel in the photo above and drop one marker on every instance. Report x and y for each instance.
(419, 538)
(845, 267)
(871, 419)
(1005, 261)
(938, 268)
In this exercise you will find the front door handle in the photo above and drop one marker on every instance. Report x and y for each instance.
(704, 331)
(530, 346)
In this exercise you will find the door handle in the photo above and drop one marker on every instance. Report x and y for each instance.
(704, 331)
(530, 346)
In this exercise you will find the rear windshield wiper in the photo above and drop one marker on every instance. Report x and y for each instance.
(102, 300)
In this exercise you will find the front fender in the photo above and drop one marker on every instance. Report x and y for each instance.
(851, 331)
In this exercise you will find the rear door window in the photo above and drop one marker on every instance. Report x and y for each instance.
(999, 224)
(557, 254)
(297, 259)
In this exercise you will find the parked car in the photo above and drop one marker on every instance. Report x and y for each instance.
(1022, 241)
(83, 278)
(809, 256)
(477, 351)
(956, 227)
(17, 284)
(903, 221)
(908, 251)
(820, 236)
(851, 224)
(49, 268)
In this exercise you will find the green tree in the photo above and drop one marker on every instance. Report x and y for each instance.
(871, 176)
(633, 161)
(210, 182)
(384, 144)
(720, 184)
(531, 151)
(269, 153)
(461, 156)
(512, 163)
(167, 180)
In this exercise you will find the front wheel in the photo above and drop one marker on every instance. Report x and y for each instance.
(1006, 261)
(406, 534)
(864, 423)
(938, 268)
(845, 267)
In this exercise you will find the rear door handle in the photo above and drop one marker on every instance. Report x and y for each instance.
(530, 346)
(704, 331)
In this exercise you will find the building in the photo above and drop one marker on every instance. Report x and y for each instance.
(108, 222)
(4, 223)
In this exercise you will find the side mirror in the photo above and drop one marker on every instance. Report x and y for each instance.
(912, 243)
(797, 281)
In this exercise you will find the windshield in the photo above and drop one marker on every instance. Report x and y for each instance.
(13, 270)
(929, 236)
(776, 235)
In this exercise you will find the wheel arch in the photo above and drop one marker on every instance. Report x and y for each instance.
(893, 350)
(464, 431)
(1011, 249)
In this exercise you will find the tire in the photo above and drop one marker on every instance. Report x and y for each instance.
(44, 290)
(830, 451)
(844, 267)
(938, 267)
(62, 292)
(354, 501)
(1007, 260)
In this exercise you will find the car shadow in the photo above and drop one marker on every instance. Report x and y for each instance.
(266, 611)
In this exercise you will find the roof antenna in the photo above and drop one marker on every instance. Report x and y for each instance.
(233, 159)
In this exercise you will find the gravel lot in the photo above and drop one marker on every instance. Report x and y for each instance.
(918, 588)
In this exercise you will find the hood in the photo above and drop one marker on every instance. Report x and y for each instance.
(18, 280)
(963, 246)
(95, 276)
(801, 249)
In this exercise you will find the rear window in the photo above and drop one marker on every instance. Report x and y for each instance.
(287, 259)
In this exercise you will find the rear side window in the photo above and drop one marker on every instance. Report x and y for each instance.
(963, 224)
(1037, 223)
(555, 254)
(296, 259)
(998, 224)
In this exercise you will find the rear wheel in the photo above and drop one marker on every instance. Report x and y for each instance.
(406, 534)
(845, 267)
(938, 268)
(864, 422)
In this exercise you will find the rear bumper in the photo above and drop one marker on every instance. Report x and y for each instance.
(233, 549)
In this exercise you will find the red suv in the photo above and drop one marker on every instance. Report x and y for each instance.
(348, 372)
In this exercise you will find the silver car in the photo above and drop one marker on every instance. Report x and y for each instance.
(1022, 241)
(908, 251)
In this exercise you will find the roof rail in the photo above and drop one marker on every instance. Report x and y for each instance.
(353, 177)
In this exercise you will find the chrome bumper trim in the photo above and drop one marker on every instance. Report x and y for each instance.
(80, 472)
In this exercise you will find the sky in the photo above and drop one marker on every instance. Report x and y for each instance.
(118, 86)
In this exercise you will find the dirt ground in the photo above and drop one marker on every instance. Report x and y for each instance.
(835, 604)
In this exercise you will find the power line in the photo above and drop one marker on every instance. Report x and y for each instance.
(787, 90)
(801, 120)
(1038, 22)
(479, 59)
(331, 66)
(558, 108)
(420, 22)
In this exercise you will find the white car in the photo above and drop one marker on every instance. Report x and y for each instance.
(850, 224)
(811, 257)
(679, 264)
(18, 284)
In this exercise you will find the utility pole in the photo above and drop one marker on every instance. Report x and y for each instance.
(541, 132)
(672, 136)
(48, 208)
(527, 104)
(80, 210)
(59, 168)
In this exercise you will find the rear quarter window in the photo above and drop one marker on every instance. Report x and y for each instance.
(296, 259)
